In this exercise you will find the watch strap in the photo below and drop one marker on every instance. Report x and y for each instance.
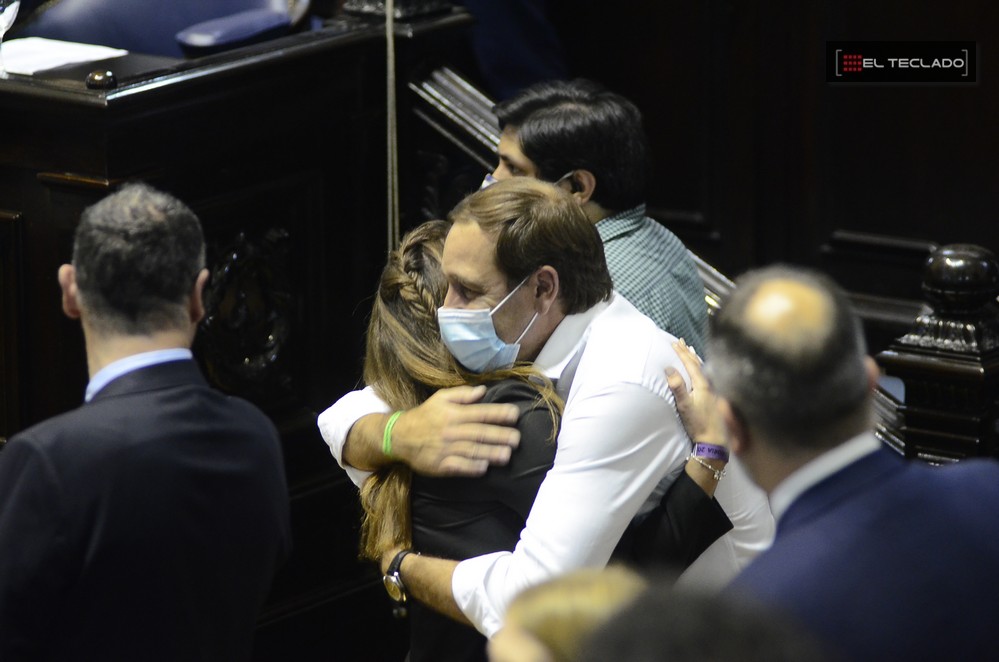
(395, 586)
(396, 563)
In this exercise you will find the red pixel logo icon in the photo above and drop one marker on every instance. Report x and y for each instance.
(852, 63)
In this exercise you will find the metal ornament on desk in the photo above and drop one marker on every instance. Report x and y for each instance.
(404, 9)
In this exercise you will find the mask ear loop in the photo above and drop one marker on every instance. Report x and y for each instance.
(488, 181)
(574, 185)
(526, 329)
(529, 324)
(507, 297)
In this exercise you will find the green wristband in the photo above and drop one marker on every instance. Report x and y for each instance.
(387, 435)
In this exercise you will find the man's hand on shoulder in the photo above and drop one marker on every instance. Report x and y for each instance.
(451, 434)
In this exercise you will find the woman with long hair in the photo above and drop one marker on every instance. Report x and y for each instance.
(457, 518)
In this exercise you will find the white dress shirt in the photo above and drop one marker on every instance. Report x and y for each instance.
(619, 436)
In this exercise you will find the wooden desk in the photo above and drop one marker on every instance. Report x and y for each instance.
(280, 150)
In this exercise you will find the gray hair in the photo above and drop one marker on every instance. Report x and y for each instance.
(805, 386)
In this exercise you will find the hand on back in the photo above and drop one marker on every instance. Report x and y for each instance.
(452, 434)
(696, 406)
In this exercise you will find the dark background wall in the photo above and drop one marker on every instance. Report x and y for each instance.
(758, 159)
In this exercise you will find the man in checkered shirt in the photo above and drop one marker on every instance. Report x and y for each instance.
(578, 134)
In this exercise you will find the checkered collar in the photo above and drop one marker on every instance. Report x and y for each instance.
(621, 223)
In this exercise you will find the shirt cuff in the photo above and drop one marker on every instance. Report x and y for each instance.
(468, 587)
(335, 423)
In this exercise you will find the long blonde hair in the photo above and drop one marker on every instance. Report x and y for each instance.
(405, 363)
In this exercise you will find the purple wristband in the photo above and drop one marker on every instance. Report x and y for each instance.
(711, 451)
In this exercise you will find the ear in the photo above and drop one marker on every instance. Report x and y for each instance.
(873, 373)
(546, 290)
(738, 434)
(584, 183)
(196, 307)
(70, 293)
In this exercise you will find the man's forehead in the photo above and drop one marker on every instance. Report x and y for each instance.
(510, 151)
(509, 140)
(470, 254)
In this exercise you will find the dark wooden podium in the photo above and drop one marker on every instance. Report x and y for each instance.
(280, 150)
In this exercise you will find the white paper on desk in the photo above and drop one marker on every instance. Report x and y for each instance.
(30, 54)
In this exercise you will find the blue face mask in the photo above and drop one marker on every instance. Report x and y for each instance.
(488, 181)
(471, 337)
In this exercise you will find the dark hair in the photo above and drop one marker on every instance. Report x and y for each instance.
(537, 224)
(806, 386)
(137, 254)
(665, 624)
(578, 124)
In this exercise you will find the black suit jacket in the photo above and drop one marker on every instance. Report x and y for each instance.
(684, 523)
(145, 525)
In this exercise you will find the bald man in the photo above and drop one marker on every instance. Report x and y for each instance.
(879, 557)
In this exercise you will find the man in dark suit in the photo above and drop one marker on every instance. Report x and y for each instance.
(148, 523)
(880, 557)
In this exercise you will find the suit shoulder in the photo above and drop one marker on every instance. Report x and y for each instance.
(44, 433)
(246, 407)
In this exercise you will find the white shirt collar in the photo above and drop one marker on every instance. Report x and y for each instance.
(565, 341)
(820, 468)
(120, 367)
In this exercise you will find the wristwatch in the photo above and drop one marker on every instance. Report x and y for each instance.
(393, 584)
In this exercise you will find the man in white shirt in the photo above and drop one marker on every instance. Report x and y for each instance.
(524, 250)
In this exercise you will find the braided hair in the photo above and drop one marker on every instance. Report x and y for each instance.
(405, 363)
